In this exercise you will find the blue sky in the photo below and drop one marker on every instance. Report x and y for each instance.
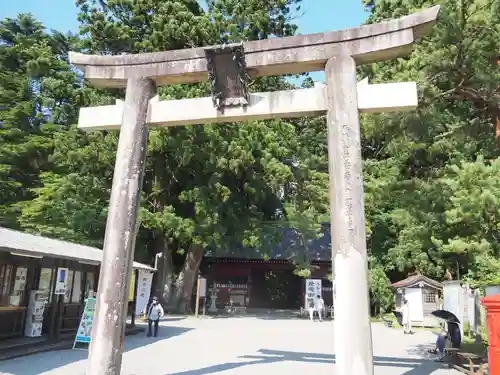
(319, 15)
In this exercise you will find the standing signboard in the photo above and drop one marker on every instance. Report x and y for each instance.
(313, 289)
(84, 333)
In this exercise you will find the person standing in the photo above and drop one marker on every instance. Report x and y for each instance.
(155, 313)
(319, 306)
(405, 312)
(310, 307)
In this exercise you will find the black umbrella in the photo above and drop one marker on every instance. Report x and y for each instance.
(446, 315)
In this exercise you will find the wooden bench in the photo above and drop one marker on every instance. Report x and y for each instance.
(451, 356)
(473, 360)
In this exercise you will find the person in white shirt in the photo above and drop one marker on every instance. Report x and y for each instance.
(311, 309)
(319, 306)
(405, 312)
(155, 312)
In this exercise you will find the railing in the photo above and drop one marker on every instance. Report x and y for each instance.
(328, 311)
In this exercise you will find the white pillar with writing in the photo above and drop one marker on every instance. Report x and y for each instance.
(145, 280)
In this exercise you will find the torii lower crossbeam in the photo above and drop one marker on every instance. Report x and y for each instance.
(388, 97)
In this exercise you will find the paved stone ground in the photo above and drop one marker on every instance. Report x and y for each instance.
(243, 346)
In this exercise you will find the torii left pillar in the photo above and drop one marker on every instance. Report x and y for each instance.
(116, 269)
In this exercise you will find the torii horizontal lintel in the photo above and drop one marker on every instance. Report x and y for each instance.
(386, 97)
(276, 56)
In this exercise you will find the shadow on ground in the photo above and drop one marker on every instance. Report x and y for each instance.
(266, 356)
(52, 360)
(168, 318)
(422, 350)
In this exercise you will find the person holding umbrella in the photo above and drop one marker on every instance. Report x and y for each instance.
(440, 344)
(451, 332)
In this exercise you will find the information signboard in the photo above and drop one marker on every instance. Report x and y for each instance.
(84, 333)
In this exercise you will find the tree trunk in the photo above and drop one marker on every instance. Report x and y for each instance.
(165, 274)
(186, 279)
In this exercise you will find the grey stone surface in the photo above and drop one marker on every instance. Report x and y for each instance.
(347, 216)
(121, 229)
(274, 56)
(243, 346)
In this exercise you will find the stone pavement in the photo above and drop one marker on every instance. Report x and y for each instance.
(243, 346)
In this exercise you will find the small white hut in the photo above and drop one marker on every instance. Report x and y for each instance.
(423, 295)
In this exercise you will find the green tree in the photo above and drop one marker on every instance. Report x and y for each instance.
(409, 157)
(204, 185)
(39, 95)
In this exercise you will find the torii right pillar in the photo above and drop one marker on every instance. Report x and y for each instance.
(353, 341)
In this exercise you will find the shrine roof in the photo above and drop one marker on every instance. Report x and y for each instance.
(416, 279)
(289, 248)
(26, 244)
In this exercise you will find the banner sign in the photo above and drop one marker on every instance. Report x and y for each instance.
(131, 291)
(145, 279)
(84, 333)
(313, 289)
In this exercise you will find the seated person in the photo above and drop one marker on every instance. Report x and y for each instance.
(440, 344)
(451, 333)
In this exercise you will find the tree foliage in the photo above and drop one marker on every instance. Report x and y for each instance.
(428, 194)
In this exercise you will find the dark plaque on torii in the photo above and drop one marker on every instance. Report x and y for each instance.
(227, 74)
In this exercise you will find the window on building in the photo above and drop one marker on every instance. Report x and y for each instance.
(6, 271)
(430, 296)
(90, 283)
(69, 287)
(76, 294)
(74, 286)
(46, 283)
(19, 288)
(12, 284)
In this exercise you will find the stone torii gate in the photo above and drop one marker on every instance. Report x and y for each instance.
(228, 68)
